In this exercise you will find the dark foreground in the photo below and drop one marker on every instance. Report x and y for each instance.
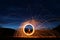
(6, 33)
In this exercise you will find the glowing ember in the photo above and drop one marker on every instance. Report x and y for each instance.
(30, 30)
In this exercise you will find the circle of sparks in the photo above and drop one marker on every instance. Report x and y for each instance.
(27, 33)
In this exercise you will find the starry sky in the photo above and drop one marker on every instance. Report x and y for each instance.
(14, 12)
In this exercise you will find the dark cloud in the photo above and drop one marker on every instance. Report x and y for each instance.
(12, 11)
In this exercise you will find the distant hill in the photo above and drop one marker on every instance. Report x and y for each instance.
(57, 28)
(6, 32)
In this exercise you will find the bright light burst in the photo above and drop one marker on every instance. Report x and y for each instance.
(27, 33)
(36, 33)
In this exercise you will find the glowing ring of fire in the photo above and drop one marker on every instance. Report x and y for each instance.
(27, 33)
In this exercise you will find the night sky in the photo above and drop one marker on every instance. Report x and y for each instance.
(14, 12)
